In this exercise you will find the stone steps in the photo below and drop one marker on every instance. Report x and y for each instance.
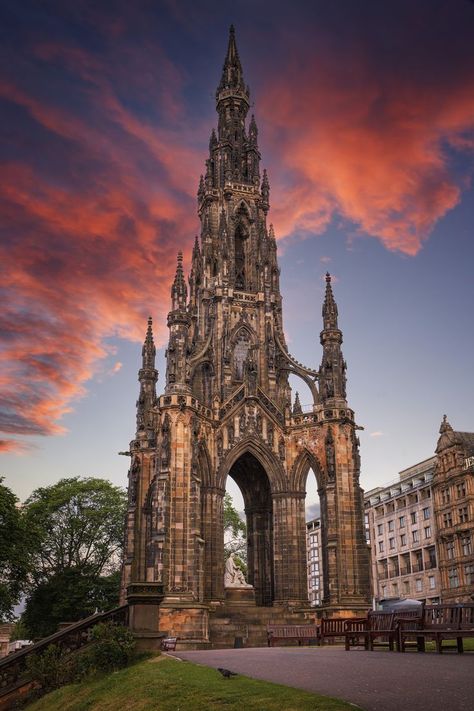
(250, 624)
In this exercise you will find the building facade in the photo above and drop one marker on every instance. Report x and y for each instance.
(315, 566)
(226, 411)
(402, 536)
(453, 498)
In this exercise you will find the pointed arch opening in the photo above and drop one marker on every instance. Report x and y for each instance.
(310, 479)
(249, 475)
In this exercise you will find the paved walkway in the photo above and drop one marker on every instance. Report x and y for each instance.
(375, 681)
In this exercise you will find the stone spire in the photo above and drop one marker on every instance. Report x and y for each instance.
(232, 79)
(297, 409)
(332, 372)
(147, 377)
(179, 293)
(265, 190)
(329, 306)
(148, 350)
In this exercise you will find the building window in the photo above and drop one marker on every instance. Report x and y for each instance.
(447, 520)
(419, 585)
(432, 582)
(380, 546)
(431, 557)
(403, 539)
(406, 585)
(413, 516)
(391, 543)
(384, 590)
(402, 522)
(445, 496)
(463, 514)
(426, 513)
(450, 550)
(415, 535)
(453, 579)
(380, 529)
(427, 531)
(390, 525)
(466, 545)
(461, 489)
(469, 573)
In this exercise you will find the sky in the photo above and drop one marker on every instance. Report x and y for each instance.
(366, 127)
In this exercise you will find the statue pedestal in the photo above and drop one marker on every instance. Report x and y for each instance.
(240, 596)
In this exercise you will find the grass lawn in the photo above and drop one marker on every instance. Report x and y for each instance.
(163, 684)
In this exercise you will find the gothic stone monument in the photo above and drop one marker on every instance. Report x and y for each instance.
(226, 411)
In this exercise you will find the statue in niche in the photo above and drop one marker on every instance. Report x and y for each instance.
(242, 423)
(281, 448)
(259, 421)
(230, 434)
(219, 445)
(270, 347)
(165, 442)
(270, 434)
(250, 371)
(233, 576)
(330, 456)
(134, 471)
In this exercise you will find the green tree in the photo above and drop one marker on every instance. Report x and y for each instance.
(77, 523)
(68, 596)
(15, 543)
(78, 529)
(235, 533)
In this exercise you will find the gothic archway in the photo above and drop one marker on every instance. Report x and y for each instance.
(306, 465)
(251, 478)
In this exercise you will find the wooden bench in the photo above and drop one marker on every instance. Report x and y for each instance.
(377, 626)
(332, 627)
(301, 633)
(438, 622)
(168, 644)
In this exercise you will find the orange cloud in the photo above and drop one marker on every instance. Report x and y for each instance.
(374, 149)
(88, 255)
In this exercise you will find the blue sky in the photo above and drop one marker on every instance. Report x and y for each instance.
(366, 118)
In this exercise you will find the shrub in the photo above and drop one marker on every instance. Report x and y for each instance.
(113, 648)
(52, 668)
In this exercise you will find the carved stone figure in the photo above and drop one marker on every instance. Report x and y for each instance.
(233, 576)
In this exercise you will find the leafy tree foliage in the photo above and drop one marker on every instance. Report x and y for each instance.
(77, 523)
(15, 543)
(68, 596)
(78, 528)
(235, 533)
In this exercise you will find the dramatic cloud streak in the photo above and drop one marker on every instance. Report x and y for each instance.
(375, 147)
(104, 139)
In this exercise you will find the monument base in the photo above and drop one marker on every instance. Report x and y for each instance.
(240, 596)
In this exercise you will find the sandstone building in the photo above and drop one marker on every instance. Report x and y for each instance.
(453, 498)
(402, 536)
(314, 563)
(226, 411)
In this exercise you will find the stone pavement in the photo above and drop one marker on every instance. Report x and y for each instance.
(375, 681)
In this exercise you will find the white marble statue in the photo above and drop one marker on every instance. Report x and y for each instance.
(233, 576)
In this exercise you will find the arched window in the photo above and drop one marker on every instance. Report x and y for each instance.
(240, 276)
(241, 348)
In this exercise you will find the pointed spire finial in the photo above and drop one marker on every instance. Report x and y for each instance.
(297, 409)
(329, 306)
(445, 426)
(149, 350)
(232, 75)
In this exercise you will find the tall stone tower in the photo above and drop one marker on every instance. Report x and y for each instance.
(226, 411)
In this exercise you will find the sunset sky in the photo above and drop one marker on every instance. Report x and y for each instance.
(366, 127)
